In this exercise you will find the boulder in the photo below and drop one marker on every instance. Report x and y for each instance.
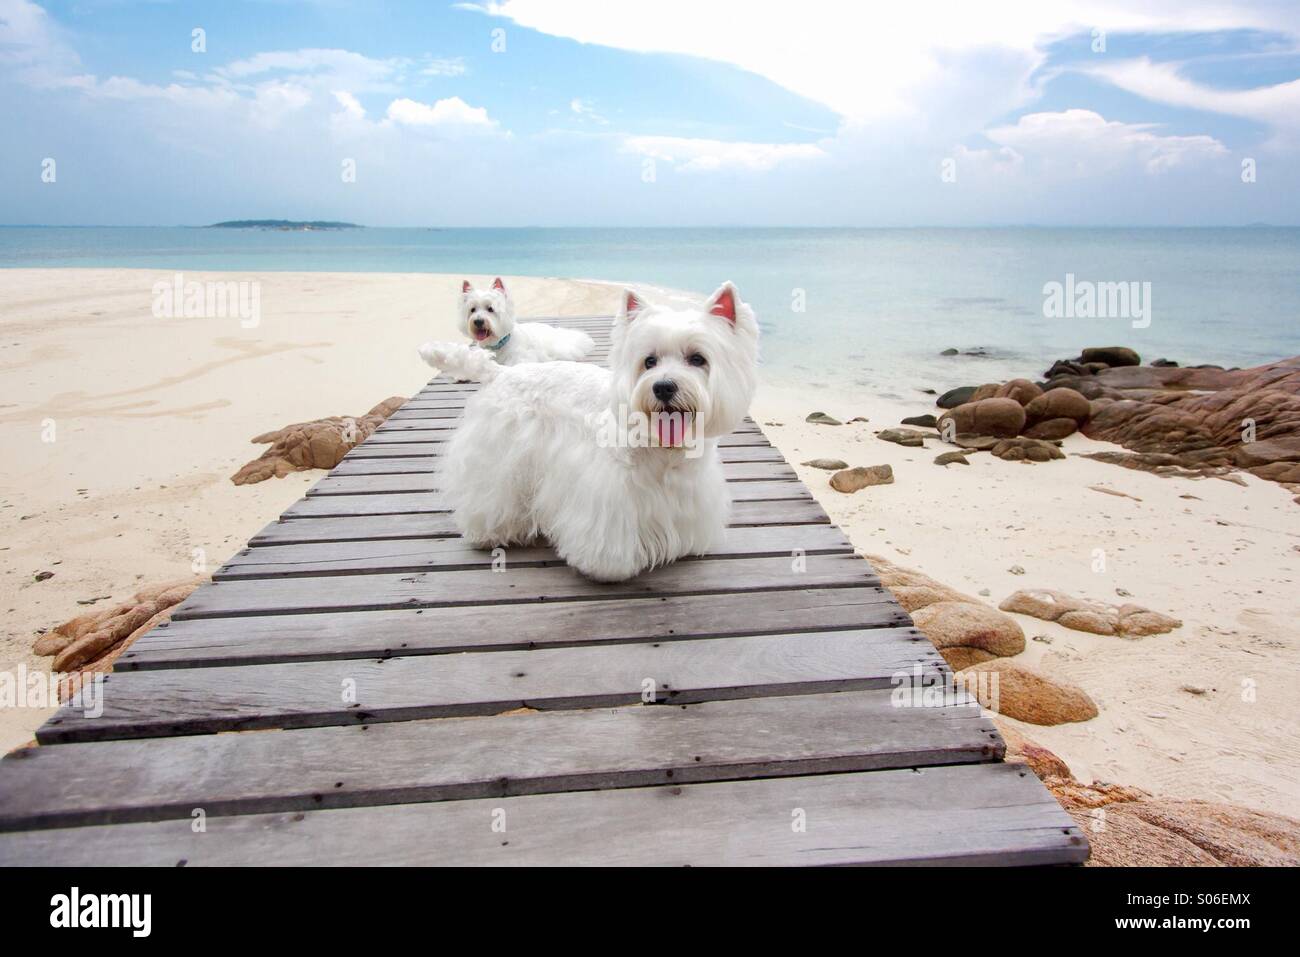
(1052, 430)
(830, 465)
(313, 445)
(1058, 403)
(850, 480)
(1022, 390)
(999, 417)
(1098, 618)
(926, 421)
(908, 437)
(951, 458)
(1176, 833)
(950, 624)
(949, 352)
(821, 418)
(1019, 692)
(1111, 356)
(1026, 450)
(955, 397)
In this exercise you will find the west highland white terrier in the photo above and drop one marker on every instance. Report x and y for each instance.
(488, 318)
(617, 468)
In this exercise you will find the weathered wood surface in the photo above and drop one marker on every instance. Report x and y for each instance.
(678, 718)
(464, 758)
(361, 691)
(200, 642)
(977, 814)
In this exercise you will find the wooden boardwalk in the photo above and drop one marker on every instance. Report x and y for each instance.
(429, 703)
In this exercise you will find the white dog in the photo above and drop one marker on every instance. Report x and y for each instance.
(488, 318)
(617, 468)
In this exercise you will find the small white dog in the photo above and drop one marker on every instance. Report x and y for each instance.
(488, 318)
(617, 468)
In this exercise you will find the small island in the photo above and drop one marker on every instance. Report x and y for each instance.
(283, 224)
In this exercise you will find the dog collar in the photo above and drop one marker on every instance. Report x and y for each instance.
(500, 342)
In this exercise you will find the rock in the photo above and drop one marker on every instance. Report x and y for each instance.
(313, 445)
(821, 418)
(858, 418)
(1165, 364)
(949, 352)
(1058, 403)
(1111, 356)
(1160, 463)
(975, 443)
(1021, 750)
(909, 437)
(830, 465)
(999, 417)
(1028, 450)
(1196, 416)
(43, 576)
(850, 480)
(1064, 367)
(926, 421)
(92, 642)
(1022, 390)
(955, 397)
(1052, 430)
(1181, 833)
(1098, 618)
(951, 458)
(951, 624)
(1016, 570)
(1019, 692)
(960, 657)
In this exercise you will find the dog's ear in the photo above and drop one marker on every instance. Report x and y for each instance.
(632, 305)
(464, 287)
(723, 302)
(499, 285)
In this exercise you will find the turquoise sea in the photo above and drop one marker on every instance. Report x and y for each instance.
(842, 307)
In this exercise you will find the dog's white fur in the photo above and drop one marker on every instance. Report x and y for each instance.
(531, 459)
(487, 317)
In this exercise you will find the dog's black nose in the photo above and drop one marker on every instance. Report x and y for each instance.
(479, 323)
(665, 389)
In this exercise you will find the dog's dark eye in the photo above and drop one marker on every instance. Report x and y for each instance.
(697, 360)
(651, 362)
(490, 309)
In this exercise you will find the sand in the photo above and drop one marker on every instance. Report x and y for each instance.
(153, 416)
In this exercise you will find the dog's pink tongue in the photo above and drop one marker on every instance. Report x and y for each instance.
(671, 431)
(481, 334)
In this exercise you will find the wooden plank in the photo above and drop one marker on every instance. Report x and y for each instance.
(415, 503)
(430, 554)
(482, 587)
(432, 444)
(437, 432)
(423, 464)
(466, 758)
(204, 642)
(368, 476)
(440, 525)
(975, 814)
(166, 702)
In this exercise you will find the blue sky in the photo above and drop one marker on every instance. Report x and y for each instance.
(651, 112)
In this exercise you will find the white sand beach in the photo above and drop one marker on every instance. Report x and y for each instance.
(151, 416)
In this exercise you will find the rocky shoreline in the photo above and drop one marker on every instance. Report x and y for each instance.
(1200, 421)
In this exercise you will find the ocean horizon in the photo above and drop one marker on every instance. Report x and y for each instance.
(840, 307)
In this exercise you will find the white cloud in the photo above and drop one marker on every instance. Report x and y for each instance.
(869, 60)
(352, 108)
(446, 66)
(451, 112)
(585, 110)
(1277, 106)
(1087, 143)
(704, 155)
